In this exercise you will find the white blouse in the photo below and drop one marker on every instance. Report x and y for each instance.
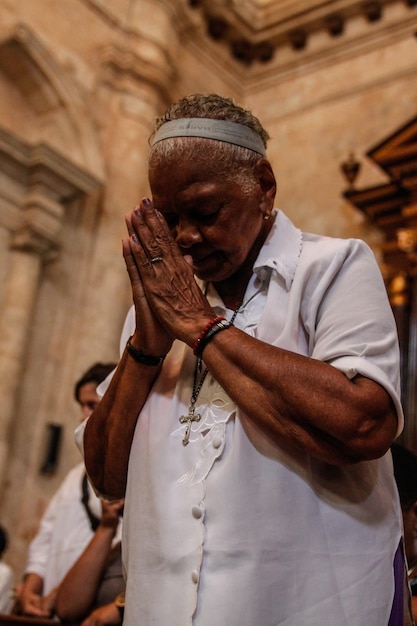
(231, 530)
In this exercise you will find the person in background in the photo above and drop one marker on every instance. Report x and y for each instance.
(90, 588)
(69, 521)
(405, 472)
(6, 576)
(257, 395)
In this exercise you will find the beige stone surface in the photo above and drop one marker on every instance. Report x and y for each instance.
(80, 83)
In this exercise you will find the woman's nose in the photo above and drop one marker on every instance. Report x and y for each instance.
(187, 233)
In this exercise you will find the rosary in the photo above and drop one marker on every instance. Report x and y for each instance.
(192, 415)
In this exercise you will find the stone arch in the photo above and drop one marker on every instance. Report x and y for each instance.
(53, 98)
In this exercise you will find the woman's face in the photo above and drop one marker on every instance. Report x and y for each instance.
(214, 219)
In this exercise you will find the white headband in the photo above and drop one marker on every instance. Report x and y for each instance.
(222, 130)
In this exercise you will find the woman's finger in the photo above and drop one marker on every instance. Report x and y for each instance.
(131, 265)
(152, 231)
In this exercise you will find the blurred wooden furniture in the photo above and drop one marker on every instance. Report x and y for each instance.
(392, 207)
(22, 620)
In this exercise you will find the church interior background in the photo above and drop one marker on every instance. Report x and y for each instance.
(333, 82)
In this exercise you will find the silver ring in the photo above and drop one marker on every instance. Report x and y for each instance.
(156, 259)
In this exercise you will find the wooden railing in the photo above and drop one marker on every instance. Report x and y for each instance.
(22, 620)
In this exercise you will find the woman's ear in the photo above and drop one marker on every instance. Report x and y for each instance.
(267, 184)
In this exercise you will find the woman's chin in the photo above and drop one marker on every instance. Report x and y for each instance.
(211, 275)
(214, 268)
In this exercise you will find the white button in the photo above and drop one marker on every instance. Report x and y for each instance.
(194, 576)
(197, 512)
(217, 442)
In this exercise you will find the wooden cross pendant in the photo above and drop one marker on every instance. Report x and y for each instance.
(188, 419)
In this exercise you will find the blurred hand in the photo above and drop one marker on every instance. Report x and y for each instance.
(104, 616)
(34, 604)
(48, 602)
(110, 513)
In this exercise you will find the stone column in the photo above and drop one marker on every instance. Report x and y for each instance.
(138, 73)
(45, 180)
(29, 247)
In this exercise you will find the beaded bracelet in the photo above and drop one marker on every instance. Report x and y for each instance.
(216, 325)
(204, 333)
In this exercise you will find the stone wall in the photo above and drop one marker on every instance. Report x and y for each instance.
(80, 83)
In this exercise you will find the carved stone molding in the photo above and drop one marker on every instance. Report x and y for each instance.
(42, 181)
(126, 68)
(255, 31)
(19, 60)
(257, 43)
(41, 219)
(49, 91)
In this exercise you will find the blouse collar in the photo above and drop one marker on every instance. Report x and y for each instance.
(281, 249)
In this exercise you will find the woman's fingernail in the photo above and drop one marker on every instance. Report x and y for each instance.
(147, 203)
(137, 211)
(134, 238)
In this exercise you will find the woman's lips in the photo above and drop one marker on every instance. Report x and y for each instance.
(196, 259)
(202, 260)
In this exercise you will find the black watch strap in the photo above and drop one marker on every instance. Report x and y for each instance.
(140, 357)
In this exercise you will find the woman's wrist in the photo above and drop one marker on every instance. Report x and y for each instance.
(214, 326)
(140, 357)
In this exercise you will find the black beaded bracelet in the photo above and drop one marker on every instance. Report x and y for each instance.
(216, 328)
(140, 357)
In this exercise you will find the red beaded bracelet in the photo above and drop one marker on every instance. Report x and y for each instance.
(222, 325)
(213, 322)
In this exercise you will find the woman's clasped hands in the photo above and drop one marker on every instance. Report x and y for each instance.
(167, 299)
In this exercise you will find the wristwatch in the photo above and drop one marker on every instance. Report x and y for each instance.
(120, 603)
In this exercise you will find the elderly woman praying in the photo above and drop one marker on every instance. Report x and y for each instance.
(249, 420)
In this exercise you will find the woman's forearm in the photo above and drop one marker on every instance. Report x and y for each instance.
(298, 401)
(110, 428)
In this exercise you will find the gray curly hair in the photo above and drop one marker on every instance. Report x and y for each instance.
(226, 156)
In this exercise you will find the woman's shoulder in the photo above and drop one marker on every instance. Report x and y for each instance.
(323, 249)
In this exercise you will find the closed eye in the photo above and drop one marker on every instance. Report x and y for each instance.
(209, 216)
(171, 219)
